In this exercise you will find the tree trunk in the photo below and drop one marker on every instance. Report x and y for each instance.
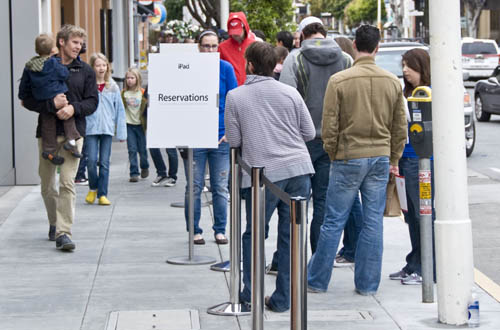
(473, 9)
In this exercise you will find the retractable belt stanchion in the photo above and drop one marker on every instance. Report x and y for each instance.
(233, 307)
(298, 263)
(191, 259)
(298, 249)
(258, 261)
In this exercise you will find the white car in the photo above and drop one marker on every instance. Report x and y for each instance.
(479, 57)
(389, 57)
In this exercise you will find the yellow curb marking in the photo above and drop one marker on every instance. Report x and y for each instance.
(487, 284)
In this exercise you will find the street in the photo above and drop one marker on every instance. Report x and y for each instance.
(484, 196)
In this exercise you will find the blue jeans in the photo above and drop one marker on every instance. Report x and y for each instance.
(218, 165)
(296, 186)
(369, 176)
(136, 143)
(351, 231)
(173, 162)
(408, 167)
(319, 185)
(82, 166)
(98, 148)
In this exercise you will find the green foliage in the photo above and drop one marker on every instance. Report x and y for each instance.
(334, 7)
(337, 7)
(363, 11)
(269, 16)
(317, 6)
(174, 9)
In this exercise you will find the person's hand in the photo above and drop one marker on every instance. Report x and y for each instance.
(394, 169)
(66, 112)
(60, 101)
(222, 139)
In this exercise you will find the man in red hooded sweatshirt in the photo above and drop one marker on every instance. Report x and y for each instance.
(233, 49)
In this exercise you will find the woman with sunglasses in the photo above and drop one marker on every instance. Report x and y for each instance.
(217, 158)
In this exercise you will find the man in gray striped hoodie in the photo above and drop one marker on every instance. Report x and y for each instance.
(270, 122)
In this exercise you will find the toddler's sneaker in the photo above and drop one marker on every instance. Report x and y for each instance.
(53, 158)
(73, 149)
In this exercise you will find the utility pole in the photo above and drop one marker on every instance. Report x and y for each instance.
(224, 13)
(453, 234)
(379, 16)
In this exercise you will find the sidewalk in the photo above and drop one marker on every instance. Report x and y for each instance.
(119, 266)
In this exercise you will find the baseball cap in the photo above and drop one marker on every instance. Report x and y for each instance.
(235, 27)
(306, 21)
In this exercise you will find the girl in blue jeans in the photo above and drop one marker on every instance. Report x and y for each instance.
(101, 126)
(135, 103)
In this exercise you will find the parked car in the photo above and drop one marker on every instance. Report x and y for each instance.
(487, 96)
(389, 57)
(479, 57)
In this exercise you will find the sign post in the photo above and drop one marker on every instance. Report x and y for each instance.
(183, 91)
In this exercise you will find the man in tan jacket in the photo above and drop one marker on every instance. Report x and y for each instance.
(364, 131)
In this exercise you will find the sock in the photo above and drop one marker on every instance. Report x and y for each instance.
(72, 142)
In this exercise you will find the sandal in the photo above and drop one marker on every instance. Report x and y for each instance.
(198, 239)
(220, 239)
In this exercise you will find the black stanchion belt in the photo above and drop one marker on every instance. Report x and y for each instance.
(283, 196)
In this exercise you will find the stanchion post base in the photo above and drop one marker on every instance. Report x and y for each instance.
(228, 309)
(221, 266)
(181, 204)
(195, 260)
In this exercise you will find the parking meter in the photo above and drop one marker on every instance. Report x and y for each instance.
(420, 132)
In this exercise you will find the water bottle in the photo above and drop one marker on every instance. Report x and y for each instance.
(473, 309)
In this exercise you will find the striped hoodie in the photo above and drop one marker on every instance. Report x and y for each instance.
(270, 122)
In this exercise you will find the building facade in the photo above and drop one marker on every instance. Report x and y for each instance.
(110, 28)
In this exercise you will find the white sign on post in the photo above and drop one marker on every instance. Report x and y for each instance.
(183, 100)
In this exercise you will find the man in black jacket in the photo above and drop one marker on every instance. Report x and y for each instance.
(81, 100)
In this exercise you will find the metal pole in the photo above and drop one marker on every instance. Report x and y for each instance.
(258, 258)
(379, 16)
(424, 176)
(233, 307)
(298, 264)
(453, 233)
(136, 35)
(235, 228)
(191, 259)
(191, 203)
(224, 13)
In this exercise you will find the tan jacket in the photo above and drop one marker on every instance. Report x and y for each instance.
(363, 113)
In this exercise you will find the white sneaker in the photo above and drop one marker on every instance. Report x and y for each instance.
(412, 279)
(159, 181)
(169, 182)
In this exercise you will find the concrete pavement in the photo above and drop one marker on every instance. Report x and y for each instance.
(119, 266)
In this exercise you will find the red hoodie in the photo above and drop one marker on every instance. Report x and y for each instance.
(233, 52)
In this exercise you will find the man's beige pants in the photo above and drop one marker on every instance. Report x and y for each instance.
(59, 203)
